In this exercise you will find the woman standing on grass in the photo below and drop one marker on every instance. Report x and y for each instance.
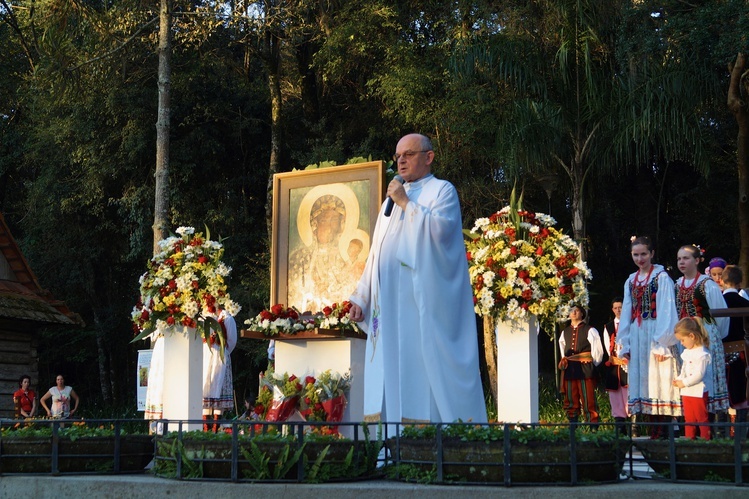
(646, 337)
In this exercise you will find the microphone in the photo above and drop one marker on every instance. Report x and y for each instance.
(389, 203)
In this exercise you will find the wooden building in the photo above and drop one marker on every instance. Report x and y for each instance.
(24, 308)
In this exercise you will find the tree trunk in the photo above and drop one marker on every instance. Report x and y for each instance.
(161, 204)
(106, 393)
(490, 355)
(578, 211)
(273, 64)
(739, 109)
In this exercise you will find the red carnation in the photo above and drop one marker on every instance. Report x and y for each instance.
(468, 256)
(173, 284)
(202, 259)
(309, 380)
(540, 251)
(527, 294)
(513, 250)
(327, 311)
(259, 409)
(170, 320)
(503, 273)
(292, 377)
(277, 309)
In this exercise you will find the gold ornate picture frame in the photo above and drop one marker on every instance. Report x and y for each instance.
(323, 221)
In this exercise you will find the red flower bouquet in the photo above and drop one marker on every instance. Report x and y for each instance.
(286, 391)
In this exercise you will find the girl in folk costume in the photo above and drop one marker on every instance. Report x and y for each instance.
(615, 370)
(696, 295)
(646, 339)
(715, 269)
(218, 386)
(155, 389)
(695, 379)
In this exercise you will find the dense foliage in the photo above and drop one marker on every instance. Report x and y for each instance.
(508, 90)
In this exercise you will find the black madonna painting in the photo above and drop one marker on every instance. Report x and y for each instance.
(322, 224)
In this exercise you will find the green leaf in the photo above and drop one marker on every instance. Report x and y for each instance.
(147, 331)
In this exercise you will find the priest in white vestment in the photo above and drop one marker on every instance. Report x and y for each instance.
(415, 301)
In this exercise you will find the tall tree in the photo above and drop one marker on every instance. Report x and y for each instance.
(163, 127)
(705, 45)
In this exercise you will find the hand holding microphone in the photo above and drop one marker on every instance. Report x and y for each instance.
(389, 203)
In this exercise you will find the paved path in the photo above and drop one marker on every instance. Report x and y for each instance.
(148, 487)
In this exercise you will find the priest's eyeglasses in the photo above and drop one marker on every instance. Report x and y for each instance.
(408, 154)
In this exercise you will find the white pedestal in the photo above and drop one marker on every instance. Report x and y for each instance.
(517, 371)
(302, 357)
(183, 378)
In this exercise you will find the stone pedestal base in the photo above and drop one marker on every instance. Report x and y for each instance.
(517, 371)
(183, 378)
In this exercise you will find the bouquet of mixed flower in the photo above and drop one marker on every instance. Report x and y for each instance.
(185, 284)
(286, 390)
(324, 398)
(280, 319)
(336, 317)
(520, 265)
(310, 404)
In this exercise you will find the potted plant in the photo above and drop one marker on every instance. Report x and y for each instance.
(83, 446)
(263, 453)
(703, 460)
(506, 454)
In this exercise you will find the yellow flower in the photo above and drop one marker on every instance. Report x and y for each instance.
(505, 291)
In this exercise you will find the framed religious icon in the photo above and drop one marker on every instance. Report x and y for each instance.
(323, 221)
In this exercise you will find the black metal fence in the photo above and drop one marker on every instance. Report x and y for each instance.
(465, 453)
